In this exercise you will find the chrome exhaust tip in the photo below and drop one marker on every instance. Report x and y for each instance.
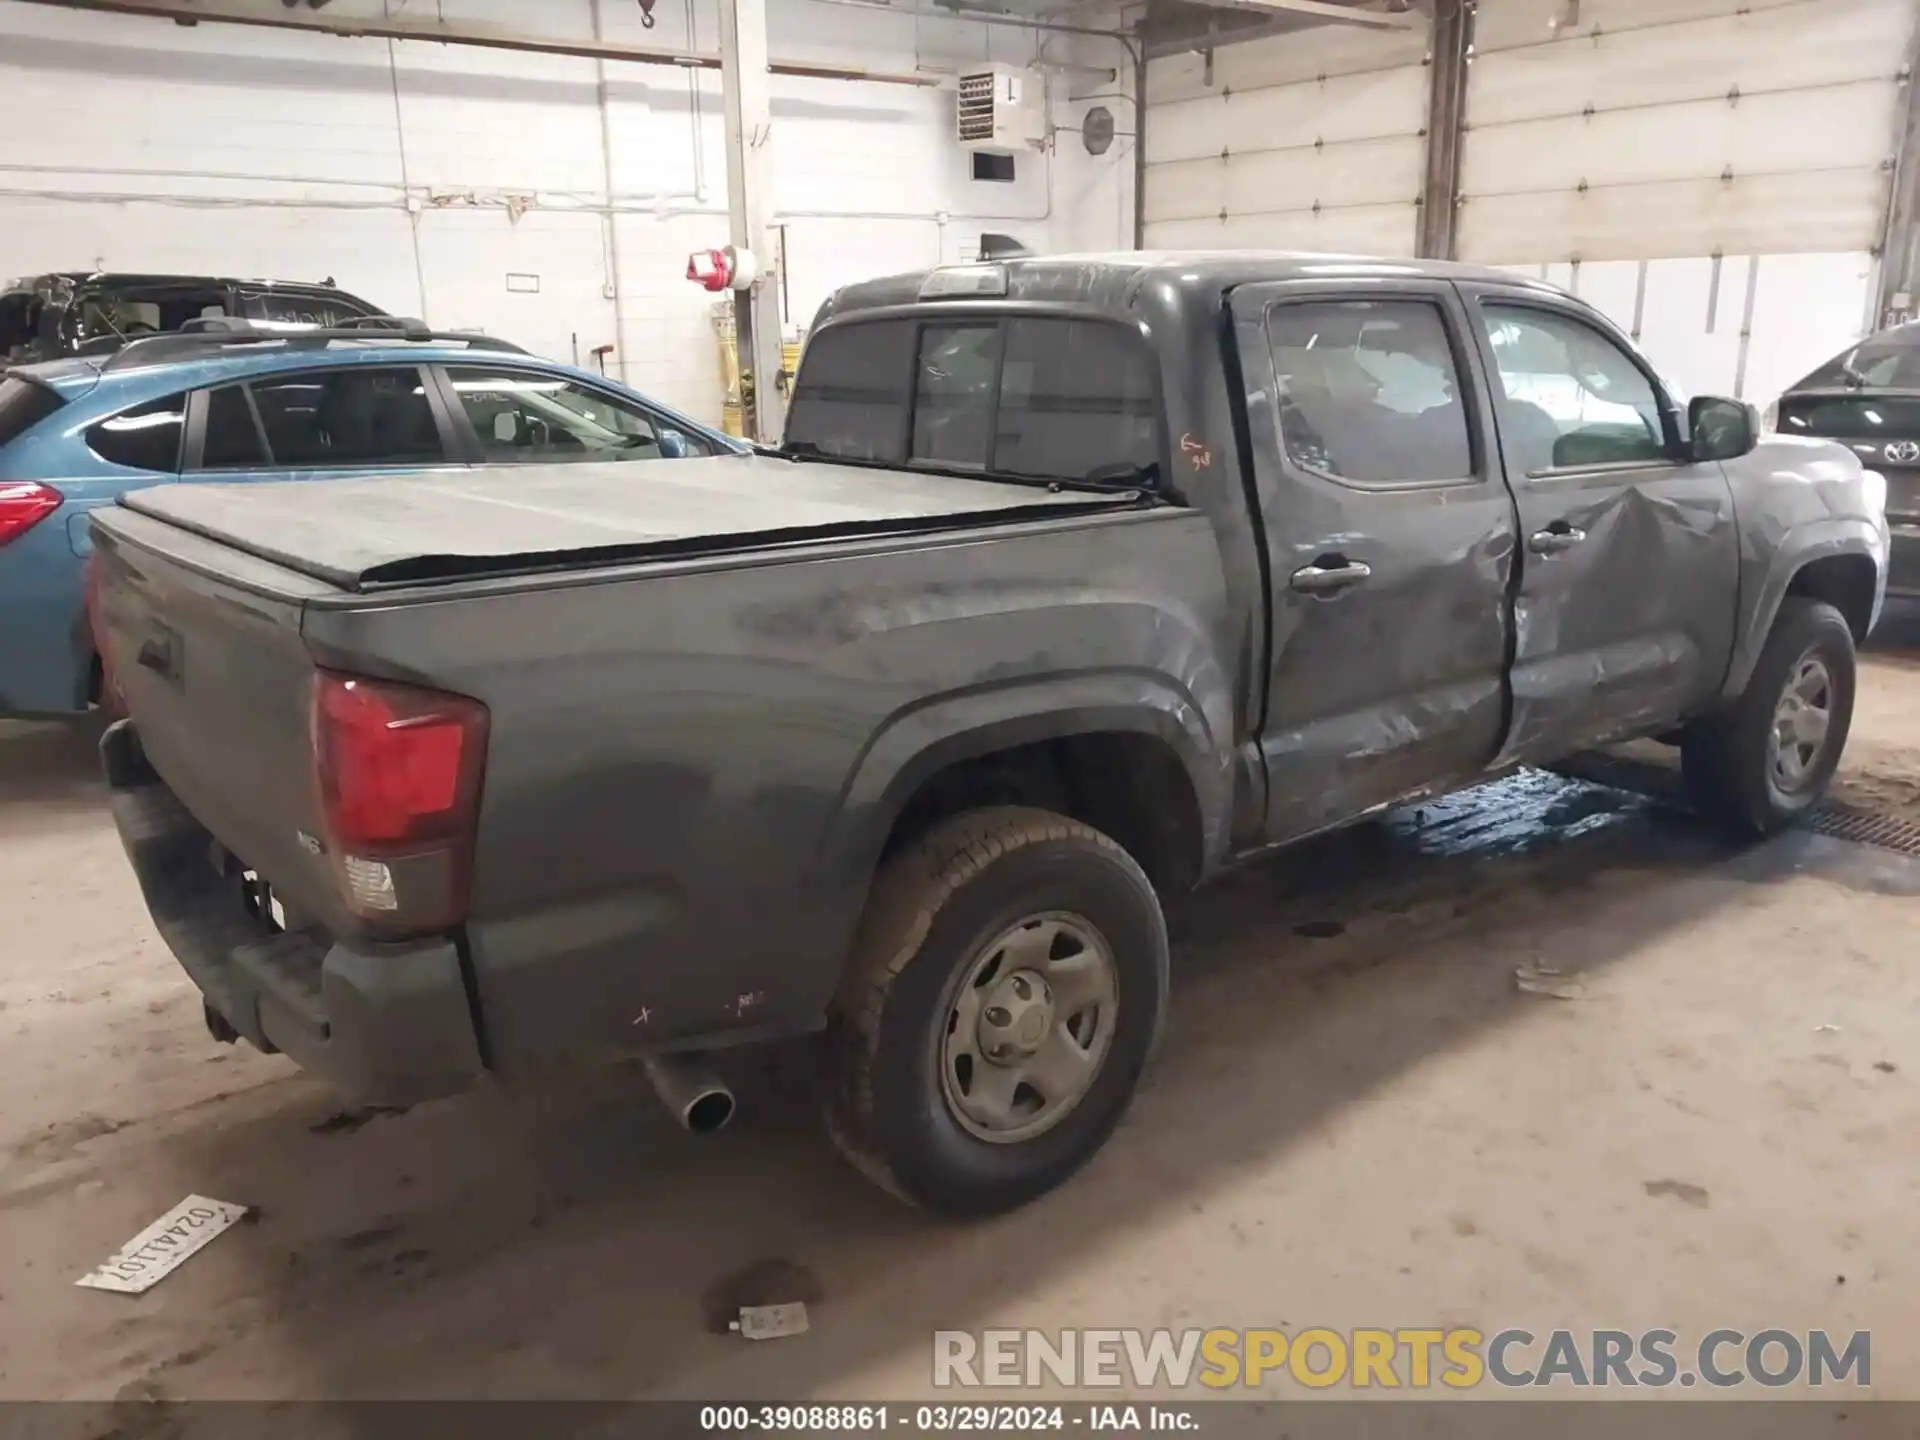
(693, 1094)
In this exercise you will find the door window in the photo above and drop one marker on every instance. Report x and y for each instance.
(1368, 391)
(1572, 398)
(369, 415)
(523, 415)
(146, 437)
(233, 440)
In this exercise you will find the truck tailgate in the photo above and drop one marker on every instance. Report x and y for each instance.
(204, 646)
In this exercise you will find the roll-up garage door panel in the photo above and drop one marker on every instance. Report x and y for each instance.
(1367, 172)
(1838, 128)
(1360, 230)
(1766, 51)
(1503, 24)
(1753, 214)
(1348, 107)
(1306, 55)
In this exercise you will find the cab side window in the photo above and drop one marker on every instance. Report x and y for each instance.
(1571, 398)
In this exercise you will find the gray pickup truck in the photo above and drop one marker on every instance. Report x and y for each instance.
(1075, 580)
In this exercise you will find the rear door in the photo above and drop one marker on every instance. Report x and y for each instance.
(1629, 559)
(46, 652)
(1390, 535)
(361, 420)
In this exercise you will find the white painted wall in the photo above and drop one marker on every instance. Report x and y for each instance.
(420, 175)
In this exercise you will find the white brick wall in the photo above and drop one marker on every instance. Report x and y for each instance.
(259, 152)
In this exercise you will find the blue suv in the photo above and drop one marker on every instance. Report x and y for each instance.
(236, 404)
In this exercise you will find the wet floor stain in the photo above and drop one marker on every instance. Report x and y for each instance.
(1684, 1191)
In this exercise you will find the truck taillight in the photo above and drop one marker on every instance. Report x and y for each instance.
(23, 505)
(398, 770)
(109, 695)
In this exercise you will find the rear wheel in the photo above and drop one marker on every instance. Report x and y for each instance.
(1769, 759)
(1006, 988)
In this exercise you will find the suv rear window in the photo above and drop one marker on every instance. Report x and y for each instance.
(23, 405)
(1046, 397)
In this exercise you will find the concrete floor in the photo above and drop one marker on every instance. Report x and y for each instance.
(1373, 1127)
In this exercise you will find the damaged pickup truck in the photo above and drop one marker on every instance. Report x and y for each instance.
(1074, 581)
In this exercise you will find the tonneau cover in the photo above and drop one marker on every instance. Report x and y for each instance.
(411, 529)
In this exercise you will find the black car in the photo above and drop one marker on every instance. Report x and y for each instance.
(1868, 398)
(43, 317)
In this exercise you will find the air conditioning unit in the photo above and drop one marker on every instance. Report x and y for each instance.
(1002, 111)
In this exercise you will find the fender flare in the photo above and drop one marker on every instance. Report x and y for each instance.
(925, 738)
(1799, 547)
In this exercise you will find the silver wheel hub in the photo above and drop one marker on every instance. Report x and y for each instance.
(1028, 1026)
(1016, 1018)
(1802, 720)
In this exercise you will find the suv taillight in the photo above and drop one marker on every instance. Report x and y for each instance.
(398, 770)
(23, 505)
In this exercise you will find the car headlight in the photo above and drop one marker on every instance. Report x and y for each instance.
(1873, 488)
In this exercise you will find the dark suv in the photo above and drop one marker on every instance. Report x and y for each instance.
(44, 317)
(1868, 398)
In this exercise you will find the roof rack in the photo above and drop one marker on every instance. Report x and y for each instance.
(197, 337)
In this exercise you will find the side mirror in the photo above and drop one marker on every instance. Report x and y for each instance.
(673, 445)
(508, 428)
(1722, 429)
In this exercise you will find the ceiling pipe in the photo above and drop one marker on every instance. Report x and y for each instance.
(486, 37)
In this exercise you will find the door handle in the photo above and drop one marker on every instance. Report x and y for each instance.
(1328, 574)
(1552, 541)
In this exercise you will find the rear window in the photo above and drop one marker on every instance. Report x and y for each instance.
(23, 405)
(1043, 397)
(1848, 419)
(1888, 361)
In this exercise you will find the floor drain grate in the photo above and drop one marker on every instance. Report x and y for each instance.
(1888, 832)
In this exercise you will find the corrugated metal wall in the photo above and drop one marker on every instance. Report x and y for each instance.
(1712, 173)
(1307, 141)
(1652, 128)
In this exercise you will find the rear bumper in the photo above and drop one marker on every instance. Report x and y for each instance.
(1903, 560)
(387, 1024)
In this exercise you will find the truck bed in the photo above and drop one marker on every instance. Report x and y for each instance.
(365, 535)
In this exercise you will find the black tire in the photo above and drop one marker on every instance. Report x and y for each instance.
(933, 909)
(1728, 760)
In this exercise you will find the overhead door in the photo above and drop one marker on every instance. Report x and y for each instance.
(1309, 140)
(1713, 173)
